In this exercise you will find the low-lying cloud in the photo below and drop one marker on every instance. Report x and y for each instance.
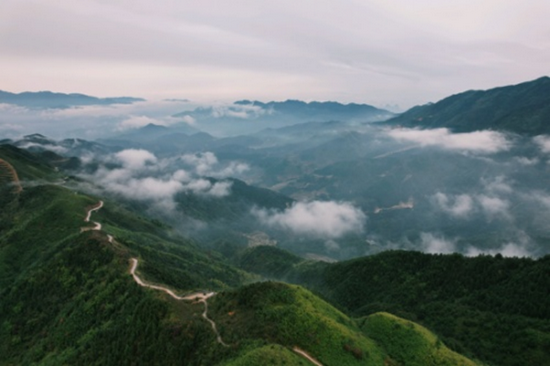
(318, 219)
(463, 206)
(139, 175)
(507, 250)
(207, 164)
(242, 111)
(477, 141)
(459, 206)
(437, 244)
(135, 159)
(543, 142)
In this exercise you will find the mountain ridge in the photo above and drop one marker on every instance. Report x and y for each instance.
(522, 108)
(49, 99)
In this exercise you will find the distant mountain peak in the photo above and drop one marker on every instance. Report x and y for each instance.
(522, 108)
(49, 99)
(154, 127)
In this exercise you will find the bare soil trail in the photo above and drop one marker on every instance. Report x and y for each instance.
(197, 297)
(97, 225)
(307, 356)
(7, 171)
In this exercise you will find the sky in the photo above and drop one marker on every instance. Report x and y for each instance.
(379, 52)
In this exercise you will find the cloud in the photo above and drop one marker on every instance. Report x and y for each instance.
(435, 244)
(90, 122)
(464, 205)
(135, 159)
(55, 148)
(457, 206)
(477, 141)
(497, 185)
(543, 142)
(189, 120)
(138, 121)
(220, 189)
(243, 111)
(202, 162)
(316, 219)
(494, 206)
(489, 201)
(332, 246)
(507, 250)
(207, 164)
(526, 161)
(142, 176)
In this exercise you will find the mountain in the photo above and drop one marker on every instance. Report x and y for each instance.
(72, 293)
(314, 110)
(247, 117)
(523, 108)
(48, 99)
(499, 300)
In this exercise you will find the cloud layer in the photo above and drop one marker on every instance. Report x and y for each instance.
(139, 175)
(478, 141)
(316, 219)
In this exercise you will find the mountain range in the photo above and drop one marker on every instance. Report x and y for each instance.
(297, 233)
(48, 99)
(522, 108)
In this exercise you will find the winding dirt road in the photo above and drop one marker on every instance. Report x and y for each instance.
(97, 225)
(198, 297)
(307, 356)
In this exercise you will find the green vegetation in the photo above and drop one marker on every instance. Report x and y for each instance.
(408, 343)
(28, 166)
(522, 108)
(66, 296)
(268, 261)
(272, 354)
(292, 316)
(492, 308)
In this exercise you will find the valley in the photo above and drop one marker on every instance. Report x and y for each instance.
(353, 241)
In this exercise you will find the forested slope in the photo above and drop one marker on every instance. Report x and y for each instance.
(489, 307)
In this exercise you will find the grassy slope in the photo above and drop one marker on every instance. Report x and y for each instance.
(491, 308)
(66, 296)
(269, 355)
(291, 316)
(409, 343)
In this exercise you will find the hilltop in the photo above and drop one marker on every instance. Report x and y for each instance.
(523, 108)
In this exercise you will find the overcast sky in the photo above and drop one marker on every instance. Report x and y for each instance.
(372, 51)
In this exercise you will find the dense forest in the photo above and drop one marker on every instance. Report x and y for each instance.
(489, 307)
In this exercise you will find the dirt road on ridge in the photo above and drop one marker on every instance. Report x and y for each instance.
(198, 296)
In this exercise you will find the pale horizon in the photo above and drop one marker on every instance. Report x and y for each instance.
(371, 52)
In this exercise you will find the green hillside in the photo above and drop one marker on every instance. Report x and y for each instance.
(503, 301)
(522, 108)
(67, 297)
(409, 343)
